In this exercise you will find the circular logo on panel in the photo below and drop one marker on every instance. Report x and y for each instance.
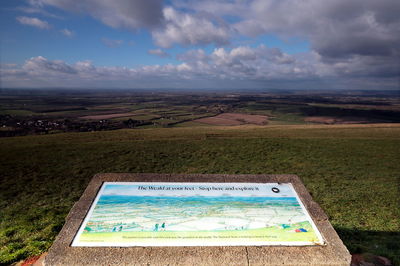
(275, 190)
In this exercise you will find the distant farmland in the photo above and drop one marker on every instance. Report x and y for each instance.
(51, 112)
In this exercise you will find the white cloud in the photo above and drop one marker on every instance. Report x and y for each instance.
(187, 29)
(130, 14)
(243, 52)
(256, 63)
(36, 10)
(67, 32)
(158, 52)
(35, 22)
(40, 65)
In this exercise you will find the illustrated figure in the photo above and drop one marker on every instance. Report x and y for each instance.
(163, 226)
(120, 228)
(155, 227)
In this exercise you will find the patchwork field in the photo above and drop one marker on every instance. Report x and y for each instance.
(350, 170)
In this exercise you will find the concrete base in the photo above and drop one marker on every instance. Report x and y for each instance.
(61, 253)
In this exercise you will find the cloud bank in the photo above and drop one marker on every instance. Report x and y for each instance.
(259, 67)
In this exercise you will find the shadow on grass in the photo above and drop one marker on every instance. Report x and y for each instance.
(385, 244)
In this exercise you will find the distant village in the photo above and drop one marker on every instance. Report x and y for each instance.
(11, 126)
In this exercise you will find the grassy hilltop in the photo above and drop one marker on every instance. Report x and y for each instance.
(350, 170)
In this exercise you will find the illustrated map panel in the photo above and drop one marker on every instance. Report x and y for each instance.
(197, 214)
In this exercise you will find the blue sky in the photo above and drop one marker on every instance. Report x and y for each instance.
(200, 44)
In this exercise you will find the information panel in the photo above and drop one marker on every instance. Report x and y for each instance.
(128, 214)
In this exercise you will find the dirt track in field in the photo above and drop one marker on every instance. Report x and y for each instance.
(234, 119)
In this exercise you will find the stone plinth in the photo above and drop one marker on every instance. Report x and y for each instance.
(61, 252)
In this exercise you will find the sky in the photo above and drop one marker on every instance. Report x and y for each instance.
(208, 44)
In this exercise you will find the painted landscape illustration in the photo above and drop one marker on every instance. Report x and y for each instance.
(125, 216)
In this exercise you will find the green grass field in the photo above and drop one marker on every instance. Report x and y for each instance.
(352, 171)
